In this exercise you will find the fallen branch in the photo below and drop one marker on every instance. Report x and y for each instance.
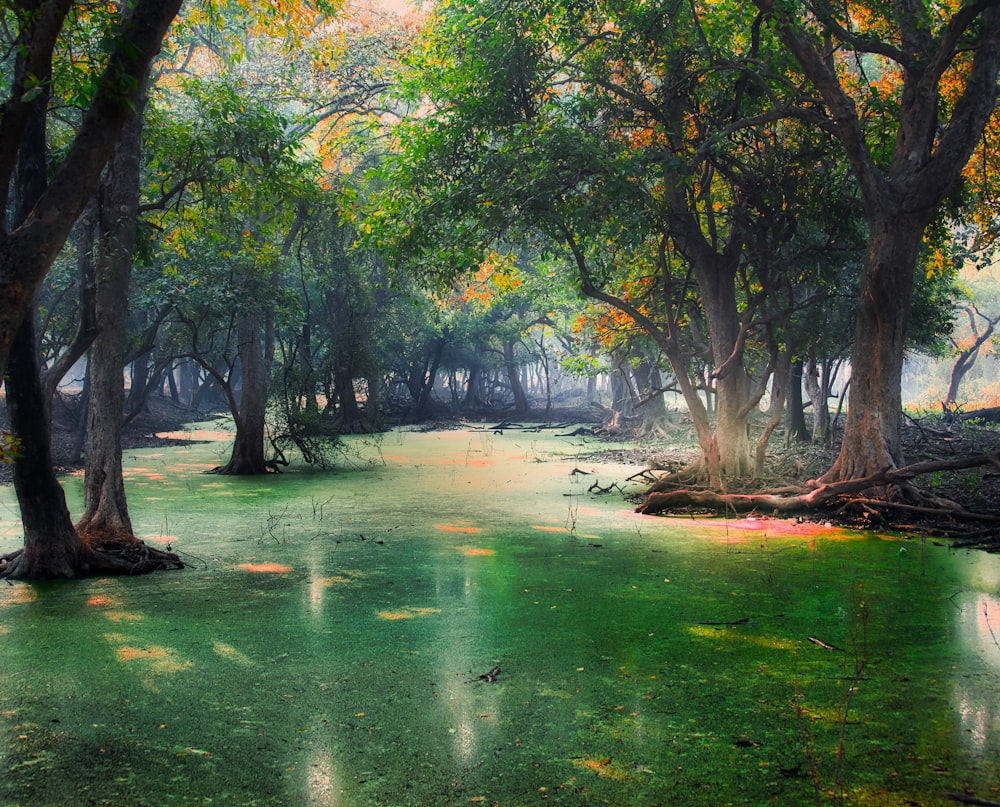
(824, 645)
(821, 493)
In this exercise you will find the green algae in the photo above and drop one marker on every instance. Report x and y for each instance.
(330, 643)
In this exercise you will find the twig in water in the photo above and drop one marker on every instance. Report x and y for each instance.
(989, 627)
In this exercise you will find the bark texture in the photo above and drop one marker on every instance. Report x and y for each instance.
(105, 515)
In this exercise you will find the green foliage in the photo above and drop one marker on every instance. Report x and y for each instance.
(10, 447)
(626, 140)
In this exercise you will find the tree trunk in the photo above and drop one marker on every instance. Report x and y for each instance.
(52, 548)
(798, 431)
(105, 518)
(351, 418)
(473, 398)
(521, 405)
(817, 384)
(188, 371)
(732, 384)
(425, 384)
(966, 358)
(139, 379)
(248, 446)
(779, 394)
(649, 399)
(871, 440)
(87, 289)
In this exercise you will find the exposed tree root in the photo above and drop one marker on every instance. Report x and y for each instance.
(109, 558)
(814, 496)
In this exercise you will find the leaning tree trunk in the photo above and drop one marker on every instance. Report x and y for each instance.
(967, 356)
(105, 518)
(871, 440)
(27, 252)
(52, 548)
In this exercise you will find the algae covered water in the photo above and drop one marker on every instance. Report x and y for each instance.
(452, 619)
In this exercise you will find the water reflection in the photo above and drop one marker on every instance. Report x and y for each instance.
(977, 687)
(464, 646)
(322, 787)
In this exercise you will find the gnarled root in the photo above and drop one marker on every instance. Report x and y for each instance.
(893, 485)
(132, 557)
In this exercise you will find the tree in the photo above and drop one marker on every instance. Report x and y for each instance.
(275, 101)
(28, 249)
(981, 327)
(52, 547)
(639, 141)
(105, 517)
(907, 88)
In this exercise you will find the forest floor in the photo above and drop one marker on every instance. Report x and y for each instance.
(928, 439)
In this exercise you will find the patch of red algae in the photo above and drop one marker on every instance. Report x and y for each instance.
(265, 568)
(196, 434)
(473, 551)
(777, 526)
(100, 600)
(454, 528)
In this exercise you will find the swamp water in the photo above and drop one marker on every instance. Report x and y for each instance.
(338, 637)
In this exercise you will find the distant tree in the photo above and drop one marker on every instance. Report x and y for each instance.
(980, 329)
